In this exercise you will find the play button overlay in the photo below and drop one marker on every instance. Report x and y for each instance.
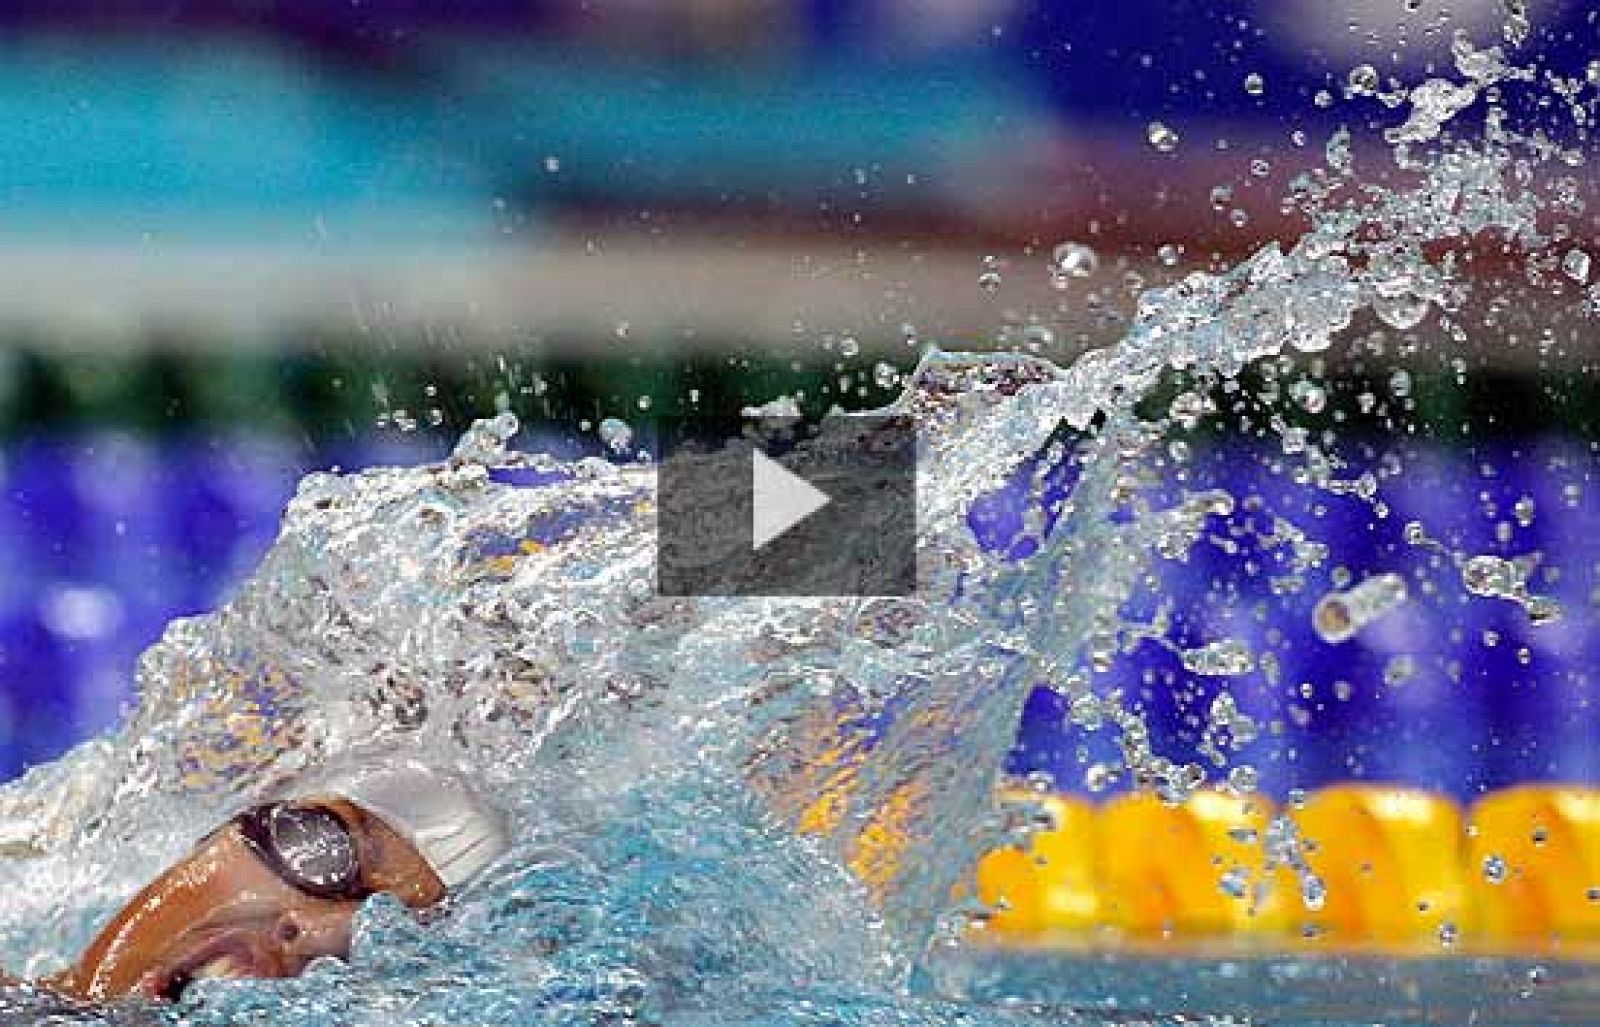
(773, 507)
(779, 500)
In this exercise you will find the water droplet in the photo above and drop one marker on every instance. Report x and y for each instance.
(1087, 712)
(849, 346)
(1170, 253)
(1254, 84)
(1490, 576)
(1517, 25)
(1485, 65)
(1072, 260)
(1187, 408)
(1575, 265)
(1363, 80)
(885, 375)
(1224, 658)
(989, 277)
(1404, 311)
(1313, 892)
(1399, 669)
(1337, 150)
(1161, 136)
(1433, 103)
(1494, 869)
(1338, 616)
(1312, 398)
(1542, 610)
(616, 434)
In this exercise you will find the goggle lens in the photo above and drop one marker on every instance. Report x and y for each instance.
(309, 847)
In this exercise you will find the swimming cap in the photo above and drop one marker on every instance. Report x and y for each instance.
(443, 818)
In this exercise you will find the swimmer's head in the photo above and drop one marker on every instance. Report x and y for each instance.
(279, 885)
(448, 823)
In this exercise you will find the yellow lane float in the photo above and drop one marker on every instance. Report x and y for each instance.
(1390, 863)
(1533, 865)
(1048, 884)
(1189, 870)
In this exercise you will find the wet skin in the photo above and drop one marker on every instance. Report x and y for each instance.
(222, 912)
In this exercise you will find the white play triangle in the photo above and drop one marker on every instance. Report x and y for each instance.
(780, 499)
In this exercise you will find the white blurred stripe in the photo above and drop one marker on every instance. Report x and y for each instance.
(1387, 33)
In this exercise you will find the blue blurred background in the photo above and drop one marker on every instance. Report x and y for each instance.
(242, 240)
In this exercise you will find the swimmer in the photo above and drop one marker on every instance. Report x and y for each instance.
(279, 884)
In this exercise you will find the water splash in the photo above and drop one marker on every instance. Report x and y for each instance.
(731, 806)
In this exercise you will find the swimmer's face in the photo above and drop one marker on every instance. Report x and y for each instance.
(224, 911)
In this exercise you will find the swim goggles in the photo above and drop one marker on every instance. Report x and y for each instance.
(309, 847)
